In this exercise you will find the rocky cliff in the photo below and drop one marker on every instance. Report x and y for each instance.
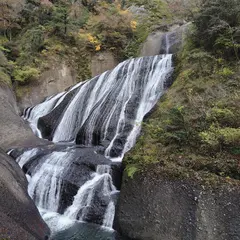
(155, 43)
(182, 177)
(13, 130)
(57, 78)
(155, 207)
(19, 216)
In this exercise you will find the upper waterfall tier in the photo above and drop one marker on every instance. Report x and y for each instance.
(106, 110)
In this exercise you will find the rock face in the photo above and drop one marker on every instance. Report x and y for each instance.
(19, 218)
(55, 80)
(59, 77)
(13, 130)
(155, 43)
(152, 45)
(152, 207)
(102, 62)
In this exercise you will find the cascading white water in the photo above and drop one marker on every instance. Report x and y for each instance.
(39, 111)
(85, 196)
(45, 182)
(24, 158)
(32, 114)
(107, 110)
(45, 185)
(109, 215)
(110, 107)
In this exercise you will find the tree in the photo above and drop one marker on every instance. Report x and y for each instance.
(218, 25)
(60, 18)
(90, 4)
(8, 18)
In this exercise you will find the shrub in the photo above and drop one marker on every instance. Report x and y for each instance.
(131, 170)
(26, 74)
(217, 137)
(33, 40)
(222, 116)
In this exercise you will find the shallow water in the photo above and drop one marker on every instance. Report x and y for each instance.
(85, 231)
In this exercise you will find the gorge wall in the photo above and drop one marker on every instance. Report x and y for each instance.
(19, 216)
(156, 44)
(153, 206)
(59, 77)
(13, 130)
(178, 184)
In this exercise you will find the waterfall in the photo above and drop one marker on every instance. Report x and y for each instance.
(107, 110)
(48, 176)
(92, 124)
(45, 184)
(85, 196)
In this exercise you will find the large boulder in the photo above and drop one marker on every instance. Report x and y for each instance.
(13, 130)
(156, 207)
(19, 217)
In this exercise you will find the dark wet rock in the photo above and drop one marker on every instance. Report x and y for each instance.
(19, 217)
(48, 123)
(116, 173)
(68, 191)
(95, 212)
(159, 208)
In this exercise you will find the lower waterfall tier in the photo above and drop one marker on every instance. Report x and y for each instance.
(71, 183)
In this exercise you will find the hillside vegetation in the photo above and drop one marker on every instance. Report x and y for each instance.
(194, 132)
(39, 32)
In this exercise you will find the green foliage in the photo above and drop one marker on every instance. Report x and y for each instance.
(5, 69)
(33, 40)
(218, 26)
(60, 19)
(134, 45)
(26, 74)
(157, 10)
(4, 49)
(174, 127)
(131, 170)
(194, 130)
(202, 60)
(217, 137)
(226, 72)
(223, 116)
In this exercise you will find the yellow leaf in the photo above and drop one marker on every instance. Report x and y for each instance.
(98, 47)
(133, 25)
